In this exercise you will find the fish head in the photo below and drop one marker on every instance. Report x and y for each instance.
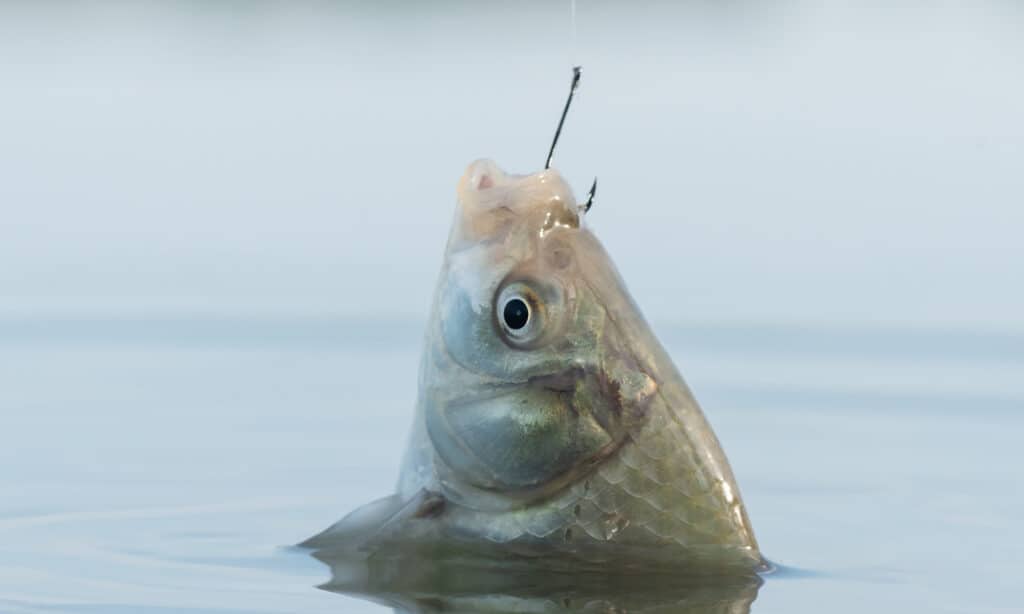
(531, 375)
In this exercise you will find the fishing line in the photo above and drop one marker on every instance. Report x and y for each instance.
(572, 39)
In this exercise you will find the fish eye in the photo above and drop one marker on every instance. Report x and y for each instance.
(519, 313)
(516, 313)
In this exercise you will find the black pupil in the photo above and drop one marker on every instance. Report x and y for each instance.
(516, 314)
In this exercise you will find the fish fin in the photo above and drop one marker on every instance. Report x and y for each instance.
(374, 521)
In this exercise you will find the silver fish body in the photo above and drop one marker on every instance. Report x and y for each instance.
(551, 424)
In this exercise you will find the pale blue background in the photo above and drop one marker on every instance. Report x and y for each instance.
(758, 161)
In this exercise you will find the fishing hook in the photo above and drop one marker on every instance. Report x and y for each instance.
(558, 132)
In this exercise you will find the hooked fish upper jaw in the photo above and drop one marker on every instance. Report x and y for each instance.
(492, 201)
(483, 180)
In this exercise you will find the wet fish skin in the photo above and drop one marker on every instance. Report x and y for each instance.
(577, 437)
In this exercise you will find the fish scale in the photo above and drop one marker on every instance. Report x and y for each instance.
(622, 493)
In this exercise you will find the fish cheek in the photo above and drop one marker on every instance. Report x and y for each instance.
(517, 442)
(469, 335)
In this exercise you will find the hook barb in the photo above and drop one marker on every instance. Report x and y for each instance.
(590, 197)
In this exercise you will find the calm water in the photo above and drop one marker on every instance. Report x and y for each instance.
(163, 465)
(817, 204)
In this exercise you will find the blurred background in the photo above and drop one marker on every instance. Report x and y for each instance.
(221, 222)
(758, 161)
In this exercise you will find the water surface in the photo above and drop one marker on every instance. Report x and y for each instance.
(164, 465)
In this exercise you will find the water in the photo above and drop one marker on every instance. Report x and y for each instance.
(164, 465)
(219, 229)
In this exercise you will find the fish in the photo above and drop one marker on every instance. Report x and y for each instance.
(551, 426)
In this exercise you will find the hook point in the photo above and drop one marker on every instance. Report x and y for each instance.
(590, 197)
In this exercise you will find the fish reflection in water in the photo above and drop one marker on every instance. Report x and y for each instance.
(416, 585)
